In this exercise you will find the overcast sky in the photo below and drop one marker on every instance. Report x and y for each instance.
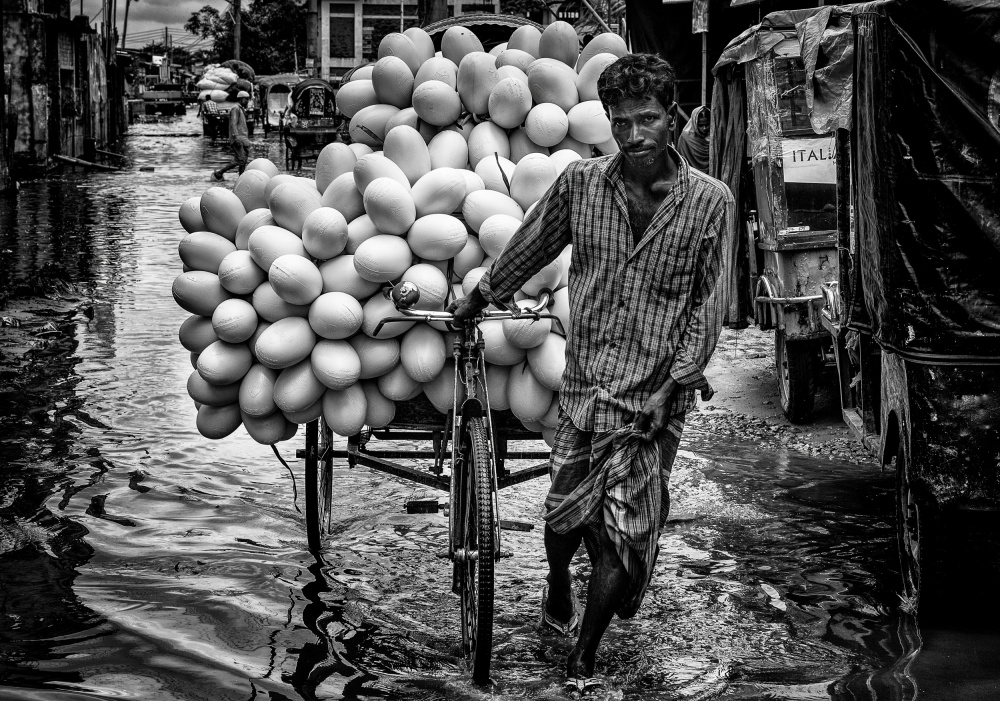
(147, 18)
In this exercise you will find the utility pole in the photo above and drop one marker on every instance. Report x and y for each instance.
(125, 30)
(236, 29)
(165, 75)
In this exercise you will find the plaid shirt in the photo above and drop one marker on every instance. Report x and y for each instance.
(638, 313)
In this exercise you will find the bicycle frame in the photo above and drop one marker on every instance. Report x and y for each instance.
(470, 376)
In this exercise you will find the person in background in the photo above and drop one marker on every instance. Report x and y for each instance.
(239, 136)
(693, 141)
(653, 243)
(206, 105)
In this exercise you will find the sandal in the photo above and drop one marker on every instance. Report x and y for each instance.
(584, 686)
(567, 628)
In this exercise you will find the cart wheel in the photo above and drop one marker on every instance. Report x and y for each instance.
(476, 528)
(318, 484)
(917, 531)
(796, 367)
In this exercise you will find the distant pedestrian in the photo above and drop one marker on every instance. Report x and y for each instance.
(206, 105)
(239, 136)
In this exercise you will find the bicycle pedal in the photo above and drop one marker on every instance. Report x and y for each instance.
(422, 506)
(507, 525)
(442, 554)
(504, 554)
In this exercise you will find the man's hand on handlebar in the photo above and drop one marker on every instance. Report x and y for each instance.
(469, 306)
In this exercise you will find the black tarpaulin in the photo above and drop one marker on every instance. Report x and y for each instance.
(926, 147)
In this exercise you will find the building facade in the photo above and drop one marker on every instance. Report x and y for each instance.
(350, 31)
(59, 85)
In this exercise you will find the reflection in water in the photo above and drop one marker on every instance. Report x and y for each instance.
(138, 560)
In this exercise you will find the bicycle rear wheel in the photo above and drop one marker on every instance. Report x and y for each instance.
(475, 547)
(318, 484)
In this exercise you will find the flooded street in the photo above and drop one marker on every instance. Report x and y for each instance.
(139, 560)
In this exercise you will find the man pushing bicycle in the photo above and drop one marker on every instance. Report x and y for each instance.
(653, 242)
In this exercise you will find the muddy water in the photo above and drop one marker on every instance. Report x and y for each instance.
(139, 560)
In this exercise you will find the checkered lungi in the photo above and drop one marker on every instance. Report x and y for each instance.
(617, 479)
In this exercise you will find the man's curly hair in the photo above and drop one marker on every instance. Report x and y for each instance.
(636, 77)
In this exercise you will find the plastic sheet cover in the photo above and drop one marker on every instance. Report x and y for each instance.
(826, 45)
(926, 161)
(746, 114)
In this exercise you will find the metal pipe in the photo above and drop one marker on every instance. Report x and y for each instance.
(596, 15)
(788, 300)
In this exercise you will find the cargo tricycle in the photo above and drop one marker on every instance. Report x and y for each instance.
(466, 458)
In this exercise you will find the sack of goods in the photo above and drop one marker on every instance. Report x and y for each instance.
(284, 275)
(220, 82)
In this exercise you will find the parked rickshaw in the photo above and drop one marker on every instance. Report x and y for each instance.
(909, 295)
(790, 206)
(311, 120)
(491, 29)
(275, 92)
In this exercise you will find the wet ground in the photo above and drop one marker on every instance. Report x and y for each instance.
(139, 560)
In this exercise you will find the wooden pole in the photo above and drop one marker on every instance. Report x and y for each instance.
(236, 29)
(704, 68)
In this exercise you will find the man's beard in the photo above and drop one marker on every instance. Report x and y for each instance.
(644, 161)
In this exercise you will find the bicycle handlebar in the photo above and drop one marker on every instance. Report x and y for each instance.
(405, 295)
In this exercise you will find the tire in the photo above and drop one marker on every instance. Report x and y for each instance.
(795, 363)
(918, 536)
(318, 484)
(475, 533)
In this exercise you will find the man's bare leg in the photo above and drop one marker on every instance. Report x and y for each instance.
(609, 584)
(559, 551)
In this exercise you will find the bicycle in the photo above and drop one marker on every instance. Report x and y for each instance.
(477, 469)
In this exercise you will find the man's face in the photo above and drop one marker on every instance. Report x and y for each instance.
(641, 129)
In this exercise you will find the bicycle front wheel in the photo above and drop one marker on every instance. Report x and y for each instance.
(475, 547)
(318, 483)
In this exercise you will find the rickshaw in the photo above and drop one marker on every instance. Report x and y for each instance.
(491, 29)
(275, 93)
(311, 120)
(466, 456)
(912, 313)
(790, 209)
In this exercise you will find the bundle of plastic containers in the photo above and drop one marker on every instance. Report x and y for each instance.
(284, 275)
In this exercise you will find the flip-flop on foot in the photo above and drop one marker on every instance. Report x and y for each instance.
(584, 686)
(549, 622)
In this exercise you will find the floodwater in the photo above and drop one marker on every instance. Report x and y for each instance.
(141, 561)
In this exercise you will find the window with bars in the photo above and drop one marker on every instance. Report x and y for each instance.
(380, 20)
(341, 30)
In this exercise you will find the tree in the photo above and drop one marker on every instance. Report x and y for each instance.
(273, 33)
(525, 8)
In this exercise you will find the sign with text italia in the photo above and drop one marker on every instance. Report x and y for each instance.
(810, 160)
